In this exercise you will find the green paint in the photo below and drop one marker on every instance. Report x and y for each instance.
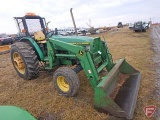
(14, 113)
(74, 39)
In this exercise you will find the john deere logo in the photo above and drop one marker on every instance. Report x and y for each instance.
(80, 52)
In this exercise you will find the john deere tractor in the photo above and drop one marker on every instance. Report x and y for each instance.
(115, 92)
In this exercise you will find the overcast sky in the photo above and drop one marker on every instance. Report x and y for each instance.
(99, 12)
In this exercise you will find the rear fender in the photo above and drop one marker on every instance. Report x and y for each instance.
(35, 47)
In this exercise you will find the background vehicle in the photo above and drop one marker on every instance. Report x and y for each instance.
(82, 31)
(70, 31)
(91, 29)
(4, 39)
(120, 25)
(147, 25)
(130, 26)
(18, 37)
(82, 53)
(139, 26)
(62, 32)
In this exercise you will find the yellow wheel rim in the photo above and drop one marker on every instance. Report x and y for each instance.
(63, 83)
(18, 63)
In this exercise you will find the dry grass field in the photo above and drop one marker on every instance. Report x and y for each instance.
(40, 98)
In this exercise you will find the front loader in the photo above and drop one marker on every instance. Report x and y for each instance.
(114, 93)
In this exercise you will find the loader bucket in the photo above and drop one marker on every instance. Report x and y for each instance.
(117, 92)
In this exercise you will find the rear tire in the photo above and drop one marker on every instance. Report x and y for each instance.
(24, 60)
(66, 81)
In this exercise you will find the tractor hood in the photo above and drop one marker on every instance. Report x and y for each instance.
(83, 40)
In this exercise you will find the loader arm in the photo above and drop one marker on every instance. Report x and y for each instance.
(124, 102)
(83, 56)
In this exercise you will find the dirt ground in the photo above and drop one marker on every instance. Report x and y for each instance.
(40, 98)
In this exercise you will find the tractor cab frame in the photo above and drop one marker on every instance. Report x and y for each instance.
(31, 23)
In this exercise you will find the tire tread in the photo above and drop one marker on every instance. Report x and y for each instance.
(30, 58)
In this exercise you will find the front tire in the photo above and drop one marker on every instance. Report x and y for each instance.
(66, 81)
(24, 60)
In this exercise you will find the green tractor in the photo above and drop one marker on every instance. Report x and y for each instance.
(115, 92)
(14, 113)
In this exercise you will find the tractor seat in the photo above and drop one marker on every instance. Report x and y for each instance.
(40, 37)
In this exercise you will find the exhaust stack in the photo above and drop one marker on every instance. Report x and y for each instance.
(73, 22)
